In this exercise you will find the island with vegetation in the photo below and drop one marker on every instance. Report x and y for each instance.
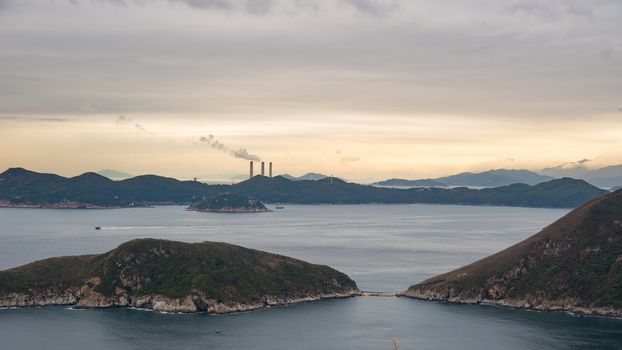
(573, 265)
(172, 276)
(229, 203)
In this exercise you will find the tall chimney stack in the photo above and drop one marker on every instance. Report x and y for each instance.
(270, 169)
(251, 169)
(263, 169)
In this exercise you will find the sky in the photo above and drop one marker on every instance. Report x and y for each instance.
(362, 89)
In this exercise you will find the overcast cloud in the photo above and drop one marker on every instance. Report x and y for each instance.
(282, 61)
(559, 58)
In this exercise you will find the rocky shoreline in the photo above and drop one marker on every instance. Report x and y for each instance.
(232, 210)
(535, 303)
(58, 205)
(86, 298)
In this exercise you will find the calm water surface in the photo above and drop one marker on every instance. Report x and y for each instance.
(382, 247)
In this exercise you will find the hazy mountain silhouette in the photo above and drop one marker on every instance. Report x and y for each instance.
(308, 176)
(607, 177)
(490, 178)
(114, 174)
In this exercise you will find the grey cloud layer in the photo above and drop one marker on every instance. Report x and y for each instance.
(34, 119)
(534, 59)
(263, 7)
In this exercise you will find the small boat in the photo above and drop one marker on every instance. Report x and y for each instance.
(98, 227)
(280, 207)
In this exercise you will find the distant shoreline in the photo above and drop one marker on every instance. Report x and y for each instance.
(231, 210)
(185, 205)
(61, 205)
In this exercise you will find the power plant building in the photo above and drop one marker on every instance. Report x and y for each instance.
(263, 169)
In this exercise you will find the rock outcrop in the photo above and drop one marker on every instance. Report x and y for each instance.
(575, 265)
(171, 276)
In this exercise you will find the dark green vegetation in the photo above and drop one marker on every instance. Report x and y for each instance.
(490, 178)
(573, 264)
(61, 272)
(219, 271)
(22, 186)
(228, 202)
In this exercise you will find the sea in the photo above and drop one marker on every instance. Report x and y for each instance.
(381, 247)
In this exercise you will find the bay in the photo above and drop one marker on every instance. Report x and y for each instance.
(382, 247)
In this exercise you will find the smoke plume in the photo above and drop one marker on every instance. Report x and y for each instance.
(129, 121)
(217, 145)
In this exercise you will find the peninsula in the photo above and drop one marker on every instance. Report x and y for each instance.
(574, 265)
(172, 276)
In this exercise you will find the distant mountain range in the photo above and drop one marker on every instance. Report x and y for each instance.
(21, 187)
(114, 174)
(490, 178)
(307, 176)
(409, 183)
(606, 177)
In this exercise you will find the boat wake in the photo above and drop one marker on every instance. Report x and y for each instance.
(134, 227)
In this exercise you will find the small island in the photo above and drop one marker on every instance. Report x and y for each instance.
(171, 276)
(229, 203)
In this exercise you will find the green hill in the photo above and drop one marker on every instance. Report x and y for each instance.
(172, 276)
(575, 264)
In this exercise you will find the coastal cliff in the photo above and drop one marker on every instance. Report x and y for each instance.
(574, 265)
(172, 276)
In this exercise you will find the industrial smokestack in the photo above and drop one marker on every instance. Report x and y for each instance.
(270, 169)
(251, 169)
(263, 169)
